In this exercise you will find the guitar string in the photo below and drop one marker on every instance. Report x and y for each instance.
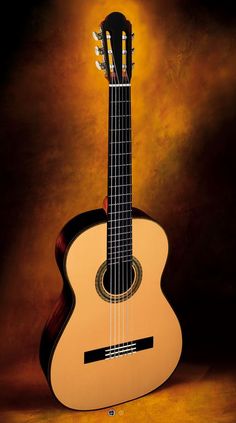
(122, 196)
(119, 168)
(115, 192)
(123, 125)
(126, 264)
(129, 263)
(121, 145)
(109, 255)
(123, 200)
(115, 220)
(112, 222)
(122, 166)
(124, 148)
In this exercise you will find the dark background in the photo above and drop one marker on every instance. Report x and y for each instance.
(53, 156)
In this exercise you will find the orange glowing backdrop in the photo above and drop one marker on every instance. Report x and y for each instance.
(54, 106)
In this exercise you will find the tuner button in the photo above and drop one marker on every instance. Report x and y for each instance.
(133, 50)
(99, 50)
(97, 35)
(132, 35)
(100, 66)
(133, 64)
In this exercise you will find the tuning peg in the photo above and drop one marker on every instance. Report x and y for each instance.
(100, 65)
(132, 35)
(133, 64)
(97, 35)
(133, 50)
(99, 50)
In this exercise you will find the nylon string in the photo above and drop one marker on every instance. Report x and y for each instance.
(119, 172)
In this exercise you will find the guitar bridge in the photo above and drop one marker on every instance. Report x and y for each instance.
(118, 350)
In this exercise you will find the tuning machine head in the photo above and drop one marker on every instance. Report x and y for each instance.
(97, 35)
(100, 65)
(99, 51)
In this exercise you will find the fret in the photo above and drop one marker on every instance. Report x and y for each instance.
(111, 261)
(120, 176)
(114, 142)
(119, 246)
(120, 257)
(117, 262)
(119, 154)
(119, 204)
(118, 220)
(117, 116)
(119, 195)
(123, 185)
(120, 129)
(120, 101)
(121, 211)
(120, 234)
(110, 228)
(121, 240)
(115, 253)
(119, 165)
(127, 250)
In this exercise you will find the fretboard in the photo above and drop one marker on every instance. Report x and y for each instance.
(119, 227)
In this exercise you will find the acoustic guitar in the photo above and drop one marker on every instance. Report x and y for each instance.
(113, 336)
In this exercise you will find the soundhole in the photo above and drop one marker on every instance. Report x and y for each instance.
(119, 283)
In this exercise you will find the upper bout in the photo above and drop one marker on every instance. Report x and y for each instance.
(149, 231)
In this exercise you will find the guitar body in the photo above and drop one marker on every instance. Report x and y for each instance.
(84, 321)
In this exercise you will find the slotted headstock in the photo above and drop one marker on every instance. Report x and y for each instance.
(115, 36)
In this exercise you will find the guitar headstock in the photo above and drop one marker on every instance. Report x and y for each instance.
(115, 35)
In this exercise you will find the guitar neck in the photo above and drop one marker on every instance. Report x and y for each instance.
(119, 227)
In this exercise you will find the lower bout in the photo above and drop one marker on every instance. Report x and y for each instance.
(105, 383)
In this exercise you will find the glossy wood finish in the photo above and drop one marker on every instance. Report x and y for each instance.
(101, 384)
(66, 301)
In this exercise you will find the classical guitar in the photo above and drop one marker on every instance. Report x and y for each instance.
(113, 336)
